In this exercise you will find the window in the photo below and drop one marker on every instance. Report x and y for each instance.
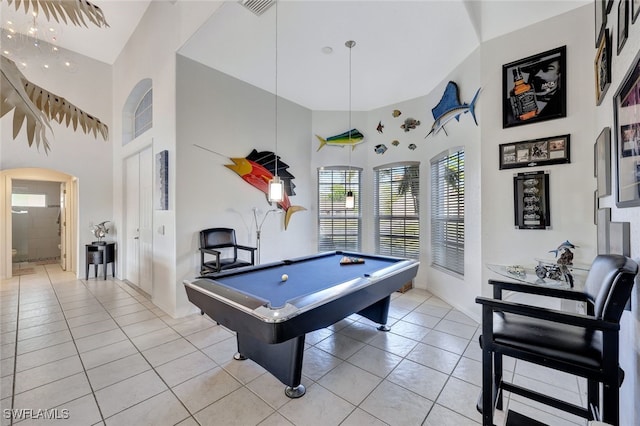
(338, 227)
(447, 210)
(28, 200)
(143, 117)
(397, 191)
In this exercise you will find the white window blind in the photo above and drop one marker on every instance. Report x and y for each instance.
(447, 210)
(396, 209)
(338, 227)
(143, 119)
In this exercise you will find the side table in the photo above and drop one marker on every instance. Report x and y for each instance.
(101, 254)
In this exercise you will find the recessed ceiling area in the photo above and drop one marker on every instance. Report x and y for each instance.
(404, 48)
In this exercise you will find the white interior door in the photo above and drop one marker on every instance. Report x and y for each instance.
(132, 219)
(62, 226)
(146, 221)
(138, 256)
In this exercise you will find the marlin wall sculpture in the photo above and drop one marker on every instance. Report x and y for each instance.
(450, 107)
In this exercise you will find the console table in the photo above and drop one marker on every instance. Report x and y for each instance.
(101, 254)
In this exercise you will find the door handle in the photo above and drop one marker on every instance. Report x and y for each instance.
(135, 238)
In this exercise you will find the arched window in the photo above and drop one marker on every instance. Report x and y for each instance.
(143, 117)
(137, 113)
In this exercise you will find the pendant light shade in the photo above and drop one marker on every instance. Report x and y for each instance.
(350, 200)
(276, 189)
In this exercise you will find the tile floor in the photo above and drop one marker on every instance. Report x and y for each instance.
(99, 352)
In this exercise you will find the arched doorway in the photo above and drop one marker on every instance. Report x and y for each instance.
(68, 214)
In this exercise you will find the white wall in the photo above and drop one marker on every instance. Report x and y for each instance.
(151, 53)
(72, 152)
(231, 117)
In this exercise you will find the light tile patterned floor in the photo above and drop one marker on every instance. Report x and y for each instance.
(102, 353)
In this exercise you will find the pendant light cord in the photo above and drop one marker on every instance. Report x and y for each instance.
(276, 93)
(350, 44)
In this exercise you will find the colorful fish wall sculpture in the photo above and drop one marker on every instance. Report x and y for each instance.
(450, 107)
(258, 168)
(349, 138)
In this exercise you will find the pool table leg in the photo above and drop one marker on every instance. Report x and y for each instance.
(283, 360)
(378, 312)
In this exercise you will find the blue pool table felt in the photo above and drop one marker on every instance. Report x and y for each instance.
(305, 277)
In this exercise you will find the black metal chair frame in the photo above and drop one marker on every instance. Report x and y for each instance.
(211, 250)
(605, 370)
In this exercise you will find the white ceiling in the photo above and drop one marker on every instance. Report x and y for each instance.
(404, 48)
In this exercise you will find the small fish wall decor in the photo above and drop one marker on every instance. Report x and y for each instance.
(412, 146)
(380, 127)
(396, 113)
(450, 107)
(258, 168)
(410, 124)
(349, 138)
(395, 143)
(380, 149)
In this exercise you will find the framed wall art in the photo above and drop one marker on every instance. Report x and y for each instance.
(602, 67)
(623, 23)
(602, 165)
(534, 88)
(531, 200)
(536, 152)
(604, 219)
(600, 13)
(626, 112)
(635, 10)
(162, 181)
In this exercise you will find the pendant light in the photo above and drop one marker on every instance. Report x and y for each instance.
(350, 200)
(276, 187)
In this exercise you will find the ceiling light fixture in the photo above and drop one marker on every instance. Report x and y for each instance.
(350, 200)
(276, 187)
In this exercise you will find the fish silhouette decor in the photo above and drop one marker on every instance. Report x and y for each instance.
(450, 107)
(258, 168)
(349, 138)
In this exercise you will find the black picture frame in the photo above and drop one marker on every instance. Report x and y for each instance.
(623, 23)
(635, 10)
(535, 152)
(602, 163)
(602, 67)
(531, 200)
(600, 13)
(626, 113)
(161, 189)
(609, 6)
(534, 88)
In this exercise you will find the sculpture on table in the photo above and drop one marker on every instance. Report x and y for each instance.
(100, 231)
(561, 270)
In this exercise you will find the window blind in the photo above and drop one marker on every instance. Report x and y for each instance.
(338, 227)
(396, 209)
(447, 210)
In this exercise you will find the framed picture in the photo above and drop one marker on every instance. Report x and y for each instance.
(602, 66)
(604, 219)
(635, 10)
(531, 200)
(600, 13)
(536, 152)
(626, 114)
(534, 88)
(602, 155)
(623, 23)
(162, 181)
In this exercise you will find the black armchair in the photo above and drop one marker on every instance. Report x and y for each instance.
(585, 345)
(221, 243)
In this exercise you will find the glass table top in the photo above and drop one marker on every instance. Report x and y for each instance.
(548, 270)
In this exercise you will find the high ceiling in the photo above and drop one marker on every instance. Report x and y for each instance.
(403, 48)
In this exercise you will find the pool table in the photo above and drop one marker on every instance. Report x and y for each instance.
(271, 316)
